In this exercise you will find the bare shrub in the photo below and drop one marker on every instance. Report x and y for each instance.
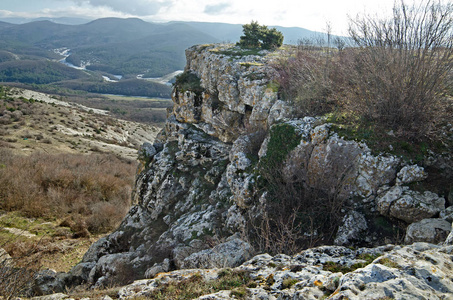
(312, 77)
(397, 77)
(14, 281)
(16, 273)
(296, 215)
(5, 120)
(104, 216)
(401, 66)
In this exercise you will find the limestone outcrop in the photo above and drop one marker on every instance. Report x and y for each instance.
(417, 271)
(201, 192)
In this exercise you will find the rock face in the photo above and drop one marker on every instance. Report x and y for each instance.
(200, 192)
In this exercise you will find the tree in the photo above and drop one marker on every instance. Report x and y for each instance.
(260, 36)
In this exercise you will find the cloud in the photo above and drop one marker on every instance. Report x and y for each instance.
(132, 7)
(216, 9)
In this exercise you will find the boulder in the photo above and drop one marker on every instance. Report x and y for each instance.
(57, 296)
(353, 226)
(402, 203)
(49, 282)
(410, 174)
(428, 230)
(5, 259)
(374, 172)
(447, 214)
(158, 268)
(419, 271)
(229, 254)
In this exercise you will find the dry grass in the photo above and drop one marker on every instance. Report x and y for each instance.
(93, 191)
(17, 272)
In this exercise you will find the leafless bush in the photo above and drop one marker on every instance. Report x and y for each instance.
(5, 120)
(302, 193)
(312, 78)
(396, 77)
(16, 274)
(401, 66)
(296, 215)
(105, 215)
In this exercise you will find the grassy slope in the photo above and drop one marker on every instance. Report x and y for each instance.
(50, 186)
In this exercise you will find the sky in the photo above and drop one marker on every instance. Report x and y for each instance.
(309, 14)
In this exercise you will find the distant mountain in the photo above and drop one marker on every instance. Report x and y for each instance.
(126, 47)
(62, 20)
(5, 25)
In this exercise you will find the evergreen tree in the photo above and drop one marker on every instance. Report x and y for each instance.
(259, 36)
(272, 39)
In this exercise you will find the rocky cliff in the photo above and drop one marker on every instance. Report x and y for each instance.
(231, 167)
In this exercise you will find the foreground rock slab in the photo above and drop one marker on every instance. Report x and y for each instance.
(417, 271)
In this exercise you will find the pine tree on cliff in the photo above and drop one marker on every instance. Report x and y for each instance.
(259, 36)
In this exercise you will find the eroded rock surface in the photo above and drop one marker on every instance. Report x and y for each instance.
(419, 271)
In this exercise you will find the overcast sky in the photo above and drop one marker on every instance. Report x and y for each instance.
(309, 14)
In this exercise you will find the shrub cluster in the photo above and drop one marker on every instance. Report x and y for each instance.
(395, 76)
(93, 191)
(188, 81)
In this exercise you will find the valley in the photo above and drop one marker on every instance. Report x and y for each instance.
(108, 55)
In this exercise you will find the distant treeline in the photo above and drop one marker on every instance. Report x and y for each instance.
(159, 63)
(37, 71)
(44, 72)
(128, 87)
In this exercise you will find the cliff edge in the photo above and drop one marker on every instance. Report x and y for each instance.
(232, 174)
